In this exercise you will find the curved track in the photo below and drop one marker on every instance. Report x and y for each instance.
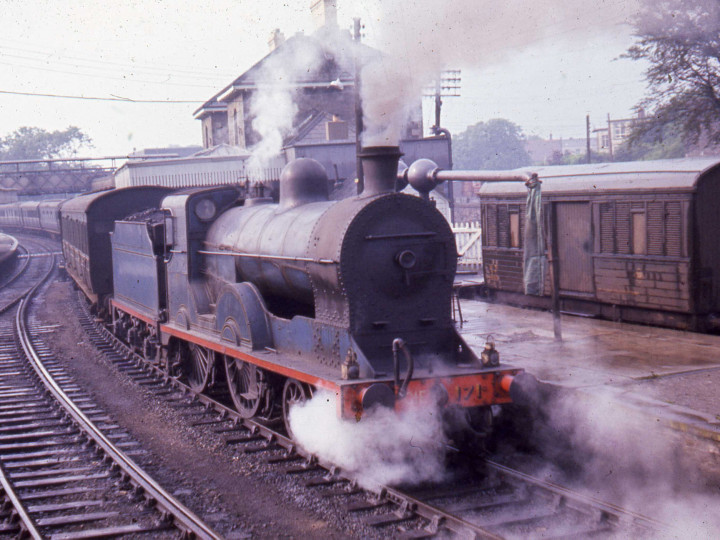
(62, 472)
(498, 502)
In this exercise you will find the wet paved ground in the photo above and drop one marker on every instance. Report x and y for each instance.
(665, 371)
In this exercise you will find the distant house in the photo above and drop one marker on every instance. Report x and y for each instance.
(319, 69)
(609, 139)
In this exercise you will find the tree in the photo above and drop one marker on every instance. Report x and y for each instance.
(662, 142)
(495, 144)
(681, 41)
(36, 143)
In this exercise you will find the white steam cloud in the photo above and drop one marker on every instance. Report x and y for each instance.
(423, 37)
(626, 460)
(273, 107)
(383, 448)
(273, 110)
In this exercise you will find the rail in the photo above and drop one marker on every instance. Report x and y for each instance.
(186, 518)
(28, 525)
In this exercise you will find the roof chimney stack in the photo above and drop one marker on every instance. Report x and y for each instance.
(324, 13)
(276, 39)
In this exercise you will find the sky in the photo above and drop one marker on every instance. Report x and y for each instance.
(545, 72)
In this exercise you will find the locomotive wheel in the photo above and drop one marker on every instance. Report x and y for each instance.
(294, 392)
(245, 384)
(197, 367)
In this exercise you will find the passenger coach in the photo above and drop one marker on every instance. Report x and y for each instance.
(86, 222)
(634, 241)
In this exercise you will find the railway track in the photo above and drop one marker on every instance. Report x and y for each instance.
(62, 468)
(498, 503)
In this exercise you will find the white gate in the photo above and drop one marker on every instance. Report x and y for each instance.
(469, 245)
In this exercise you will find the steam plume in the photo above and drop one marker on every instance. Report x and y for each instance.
(383, 448)
(273, 107)
(621, 457)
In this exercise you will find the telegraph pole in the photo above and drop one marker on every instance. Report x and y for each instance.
(587, 137)
(447, 84)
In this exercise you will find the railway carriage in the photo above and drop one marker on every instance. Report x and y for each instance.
(86, 223)
(8, 216)
(30, 216)
(634, 241)
(49, 216)
(11, 216)
(34, 216)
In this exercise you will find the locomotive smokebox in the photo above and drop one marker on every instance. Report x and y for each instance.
(380, 166)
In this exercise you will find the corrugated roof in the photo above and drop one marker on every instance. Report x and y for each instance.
(678, 174)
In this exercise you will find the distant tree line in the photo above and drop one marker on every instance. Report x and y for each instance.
(680, 40)
(493, 145)
(37, 143)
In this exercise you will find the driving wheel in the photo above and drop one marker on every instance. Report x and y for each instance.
(198, 367)
(245, 382)
(294, 392)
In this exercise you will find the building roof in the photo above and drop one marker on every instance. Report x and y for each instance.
(220, 152)
(168, 151)
(337, 47)
(669, 174)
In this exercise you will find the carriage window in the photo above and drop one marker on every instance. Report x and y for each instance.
(514, 230)
(639, 233)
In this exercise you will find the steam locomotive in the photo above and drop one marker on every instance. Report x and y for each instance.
(277, 300)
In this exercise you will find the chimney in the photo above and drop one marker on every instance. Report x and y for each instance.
(380, 167)
(324, 13)
(276, 39)
(336, 130)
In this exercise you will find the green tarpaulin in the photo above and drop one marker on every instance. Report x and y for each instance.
(534, 258)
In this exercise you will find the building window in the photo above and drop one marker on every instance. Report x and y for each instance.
(514, 230)
(639, 233)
